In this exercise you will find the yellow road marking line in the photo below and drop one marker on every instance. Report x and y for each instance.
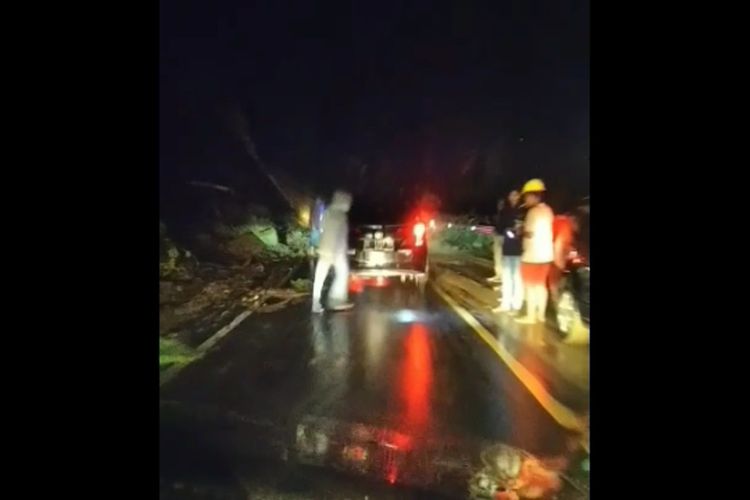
(563, 415)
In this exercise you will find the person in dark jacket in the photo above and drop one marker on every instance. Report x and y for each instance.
(509, 225)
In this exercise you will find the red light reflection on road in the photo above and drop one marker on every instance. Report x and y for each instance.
(357, 284)
(392, 474)
(416, 379)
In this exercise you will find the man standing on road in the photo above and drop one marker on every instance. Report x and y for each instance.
(497, 245)
(538, 251)
(510, 225)
(333, 252)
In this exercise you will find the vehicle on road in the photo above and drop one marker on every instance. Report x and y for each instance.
(570, 301)
(394, 249)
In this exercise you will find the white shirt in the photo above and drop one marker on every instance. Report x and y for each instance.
(538, 248)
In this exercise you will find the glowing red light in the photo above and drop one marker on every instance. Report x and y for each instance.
(401, 441)
(396, 441)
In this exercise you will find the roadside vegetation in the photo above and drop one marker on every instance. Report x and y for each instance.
(461, 239)
(222, 268)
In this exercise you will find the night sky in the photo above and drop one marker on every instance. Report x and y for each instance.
(386, 99)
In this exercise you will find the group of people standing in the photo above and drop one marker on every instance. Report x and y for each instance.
(524, 252)
(527, 255)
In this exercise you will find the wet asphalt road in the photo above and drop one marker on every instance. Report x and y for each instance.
(562, 369)
(401, 360)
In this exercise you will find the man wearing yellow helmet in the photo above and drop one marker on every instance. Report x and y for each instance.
(538, 250)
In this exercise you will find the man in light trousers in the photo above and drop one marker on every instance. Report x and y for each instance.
(333, 252)
(510, 222)
(497, 245)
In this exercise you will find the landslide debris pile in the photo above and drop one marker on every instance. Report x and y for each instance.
(227, 270)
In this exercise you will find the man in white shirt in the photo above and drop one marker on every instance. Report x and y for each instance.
(538, 251)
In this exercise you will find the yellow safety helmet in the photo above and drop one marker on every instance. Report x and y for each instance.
(533, 186)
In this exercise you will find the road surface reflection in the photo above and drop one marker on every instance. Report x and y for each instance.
(416, 380)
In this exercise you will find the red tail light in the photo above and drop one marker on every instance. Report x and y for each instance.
(419, 230)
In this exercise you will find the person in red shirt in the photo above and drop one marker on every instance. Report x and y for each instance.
(562, 234)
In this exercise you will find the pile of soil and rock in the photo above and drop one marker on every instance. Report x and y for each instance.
(225, 272)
